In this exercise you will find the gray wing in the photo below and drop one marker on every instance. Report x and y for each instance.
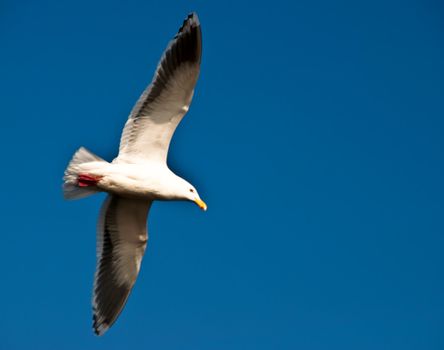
(121, 243)
(153, 120)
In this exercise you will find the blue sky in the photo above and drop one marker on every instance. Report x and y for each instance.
(315, 136)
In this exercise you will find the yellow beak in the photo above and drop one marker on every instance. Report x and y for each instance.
(201, 204)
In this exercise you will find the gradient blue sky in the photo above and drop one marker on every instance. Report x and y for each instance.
(315, 136)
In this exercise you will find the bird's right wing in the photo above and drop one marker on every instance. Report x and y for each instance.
(154, 118)
(121, 243)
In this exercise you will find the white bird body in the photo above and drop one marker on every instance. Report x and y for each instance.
(139, 175)
(150, 180)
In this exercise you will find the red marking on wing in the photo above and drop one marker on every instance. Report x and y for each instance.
(85, 180)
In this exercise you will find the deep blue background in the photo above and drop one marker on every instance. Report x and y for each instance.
(315, 136)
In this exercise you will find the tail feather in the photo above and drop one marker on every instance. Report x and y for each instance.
(71, 190)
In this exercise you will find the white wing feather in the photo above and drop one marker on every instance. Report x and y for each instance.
(121, 243)
(154, 118)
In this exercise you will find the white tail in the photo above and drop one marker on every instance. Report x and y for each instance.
(71, 190)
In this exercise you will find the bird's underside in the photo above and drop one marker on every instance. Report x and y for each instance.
(121, 231)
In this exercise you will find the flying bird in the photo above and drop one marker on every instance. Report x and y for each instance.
(139, 175)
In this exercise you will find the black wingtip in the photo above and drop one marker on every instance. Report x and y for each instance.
(99, 328)
(188, 40)
(192, 21)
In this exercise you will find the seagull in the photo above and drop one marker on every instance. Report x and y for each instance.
(139, 175)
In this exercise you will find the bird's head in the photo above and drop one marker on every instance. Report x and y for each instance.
(192, 195)
(186, 191)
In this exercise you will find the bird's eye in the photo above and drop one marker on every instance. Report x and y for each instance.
(191, 190)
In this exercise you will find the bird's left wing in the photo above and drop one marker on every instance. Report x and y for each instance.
(153, 120)
(121, 243)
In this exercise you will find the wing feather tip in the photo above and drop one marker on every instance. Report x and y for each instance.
(194, 19)
(99, 326)
(190, 36)
(190, 22)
